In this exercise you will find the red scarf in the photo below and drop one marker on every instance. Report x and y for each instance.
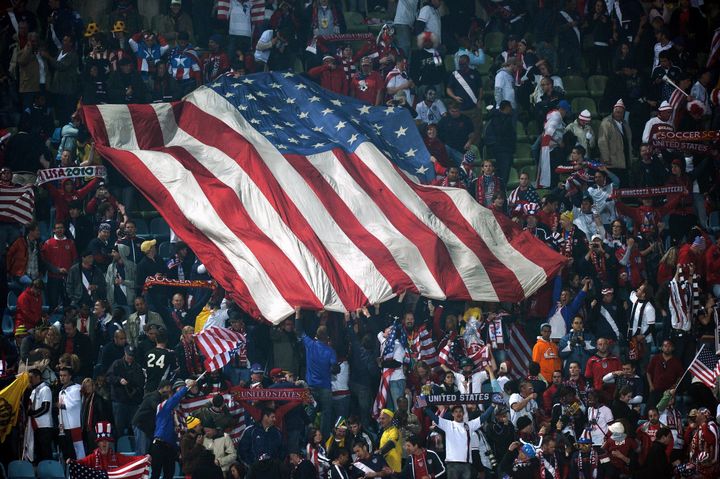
(593, 465)
(598, 261)
(419, 464)
(569, 240)
(192, 358)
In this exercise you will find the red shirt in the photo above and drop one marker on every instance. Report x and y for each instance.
(367, 89)
(333, 80)
(106, 461)
(598, 367)
(59, 253)
(664, 374)
(29, 309)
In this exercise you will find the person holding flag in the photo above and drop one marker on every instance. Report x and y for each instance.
(104, 457)
(164, 448)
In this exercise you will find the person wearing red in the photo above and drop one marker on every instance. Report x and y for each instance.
(438, 153)
(693, 253)
(551, 391)
(621, 450)
(29, 306)
(421, 462)
(63, 197)
(102, 195)
(104, 458)
(59, 254)
(548, 214)
(600, 364)
(712, 268)
(647, 431)
(215, 62)
(486, 185)
(452, 180)
(367, 85)
(704, 445)
(331, 77)
(682, 218)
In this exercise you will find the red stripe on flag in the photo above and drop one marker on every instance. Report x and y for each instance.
(137, 173)
(432, 249)
(211, 131)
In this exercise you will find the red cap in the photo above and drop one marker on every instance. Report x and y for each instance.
(275, 372)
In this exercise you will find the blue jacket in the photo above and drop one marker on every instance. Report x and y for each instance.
(257, 441)
(320, 358)
(164, 424)
(363, 368)
(568, 312)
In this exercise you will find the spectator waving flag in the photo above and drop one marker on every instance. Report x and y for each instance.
(294, 196)
(218, 345)
(519, 352)
(17, 204)
(397, 333)
(705, 366)
(449, 352)
(189, 405)
(139, 469)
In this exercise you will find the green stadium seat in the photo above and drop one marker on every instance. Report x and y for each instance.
(584, 103)
(355, 22)
(494, 42)
(513, 180)
(523, 156)
(596, 86)
(574, 86)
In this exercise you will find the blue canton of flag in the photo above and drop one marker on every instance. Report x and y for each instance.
(300, 117)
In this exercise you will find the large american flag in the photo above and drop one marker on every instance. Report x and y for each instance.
(139, 469)
(285, 192)
(705, 366)
(189, 405)
(218, 345)
(17, 204)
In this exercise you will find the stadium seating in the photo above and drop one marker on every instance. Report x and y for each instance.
(494, 42)
(159, 228)
(20, 470)
(574, 86)
(50, 470)
(584, 103)
(165, 250)
(126, 445)
(596, 86)
(141, 226)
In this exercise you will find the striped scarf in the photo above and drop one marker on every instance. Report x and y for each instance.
(685, 298)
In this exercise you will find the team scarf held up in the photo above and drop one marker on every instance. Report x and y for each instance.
(685, 296)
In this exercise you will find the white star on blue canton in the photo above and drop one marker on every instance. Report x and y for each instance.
(277, 127)
(422, 170)
(411, 152)
(300, 86)
(293, 140)
(229, 94)
(248, 81)
(304, 137)
(340, 125)
(261, 94)
(289, 100)
(282, 147)
(377, 127)
(263, 112)
(390, 109)
(303, 114)
(215, 85)
(353, 138)
(364, 110)
(250, 96)
(288, 74)
(275, 85)
(336, 102)
(268, 133)
(313, 99)
(289, 124)
(400, 131)
(275, 109)
(326, 111)
(318, 129)
(318, 145)
(254, 121)
(235, 85)
(242, 107)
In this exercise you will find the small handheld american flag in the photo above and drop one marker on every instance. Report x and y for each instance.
(218, 345)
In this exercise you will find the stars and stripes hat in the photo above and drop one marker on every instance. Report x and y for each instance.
(103, 431)
(530, 209)
(585, 438)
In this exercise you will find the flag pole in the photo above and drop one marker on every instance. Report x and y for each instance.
(688, 368)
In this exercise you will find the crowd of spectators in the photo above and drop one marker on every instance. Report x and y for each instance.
(547, 112)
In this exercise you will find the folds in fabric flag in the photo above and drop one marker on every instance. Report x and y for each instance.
(137, 469)
(295, 197)
(17, 204)
(189, 405)
(218, 345)
(705, 366)
(10, 402)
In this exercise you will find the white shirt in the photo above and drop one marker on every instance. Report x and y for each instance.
(398, 355)
(528, 410)
(264, 55)
(340, 381)
(398, 80)
(431, 17)
(70, 415)
(456, 438)
(38, 396)
(648, 126)
(660, 48)
(642, 323)
(474, 385)
(602, 417)
(430, 114)
(406, 12)
(505, 88)
(240, 19)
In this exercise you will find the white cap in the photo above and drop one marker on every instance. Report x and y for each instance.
(665, 106)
